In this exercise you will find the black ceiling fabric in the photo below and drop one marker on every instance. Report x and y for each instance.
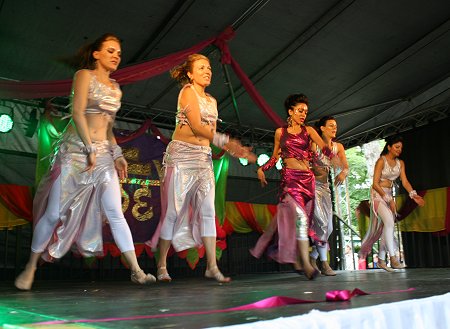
(378, 67)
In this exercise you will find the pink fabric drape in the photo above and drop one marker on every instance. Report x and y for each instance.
(135, 134)
(221, 43)
(127, 75)
(142, 71)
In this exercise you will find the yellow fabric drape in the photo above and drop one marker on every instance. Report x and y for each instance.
(234, 217)
(8, 220)
(262, 215)
(431, 217)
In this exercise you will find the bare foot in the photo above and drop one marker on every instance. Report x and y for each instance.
(25, 279)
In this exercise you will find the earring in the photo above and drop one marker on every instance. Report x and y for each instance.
(289, 121)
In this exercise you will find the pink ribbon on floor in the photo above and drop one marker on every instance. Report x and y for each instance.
(270, 302)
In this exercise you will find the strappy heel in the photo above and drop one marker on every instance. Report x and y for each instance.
(139, 277)
(313, 262)
(215, 274)
(382, 264)
(163, 275)
(327, 270)
(311, 275)
(396, 264)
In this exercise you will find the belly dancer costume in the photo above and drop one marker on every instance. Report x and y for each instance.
(376, 224)
(296, 203)
(322, 223)
(188, 185)
(71, 205)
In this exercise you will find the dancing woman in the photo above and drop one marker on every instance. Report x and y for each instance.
(383, 209)
(187, 189)
(82, 185)
(322, 223)
(290, 227)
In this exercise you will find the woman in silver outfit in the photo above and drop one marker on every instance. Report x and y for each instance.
(82, 187)
(188, 186)
(322, 223)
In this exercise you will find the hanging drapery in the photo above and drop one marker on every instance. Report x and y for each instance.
(143, 71)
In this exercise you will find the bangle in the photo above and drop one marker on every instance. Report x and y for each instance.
(220, 140)
(269, 164)
(116, 152)
(91, 148)
(412, 194)
(387, 198)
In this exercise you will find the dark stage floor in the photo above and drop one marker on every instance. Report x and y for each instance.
(64, 300)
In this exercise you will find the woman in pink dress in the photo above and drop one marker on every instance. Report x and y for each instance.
(290, 228)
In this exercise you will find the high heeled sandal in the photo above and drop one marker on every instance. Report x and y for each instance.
(395, 263)
(215, 274)
(313, 275)
(313, 262)
(24, 281)
(138, 278)
(382, 264)
(162, 274)
(327, 270)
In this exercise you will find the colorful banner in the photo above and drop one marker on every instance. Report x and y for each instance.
(244, 217)
(141, 190)
(433, 217)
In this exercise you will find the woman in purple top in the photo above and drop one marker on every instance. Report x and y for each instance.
(290, 227)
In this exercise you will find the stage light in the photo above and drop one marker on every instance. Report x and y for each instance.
(262, 159)
(279, 164)
(243, 161)
(6, 123)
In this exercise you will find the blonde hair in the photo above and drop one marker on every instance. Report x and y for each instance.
(180, 72)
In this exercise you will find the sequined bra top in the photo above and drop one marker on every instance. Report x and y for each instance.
(295, 145)
(102, 98)
(388, 172)
(208, 109)
(321, 160)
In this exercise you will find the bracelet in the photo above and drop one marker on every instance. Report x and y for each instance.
(116, 152)
(387, 198)
(91, 148)
(220, 140)
(412, 194)
(269, 164)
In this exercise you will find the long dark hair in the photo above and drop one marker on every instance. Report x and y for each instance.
(391, 140)
(84, 58)
(322, 123)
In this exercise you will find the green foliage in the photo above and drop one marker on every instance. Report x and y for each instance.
(358, 181)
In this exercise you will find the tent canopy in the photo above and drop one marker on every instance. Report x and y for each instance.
(379, 67)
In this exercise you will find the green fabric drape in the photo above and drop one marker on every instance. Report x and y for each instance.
(220, 174)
